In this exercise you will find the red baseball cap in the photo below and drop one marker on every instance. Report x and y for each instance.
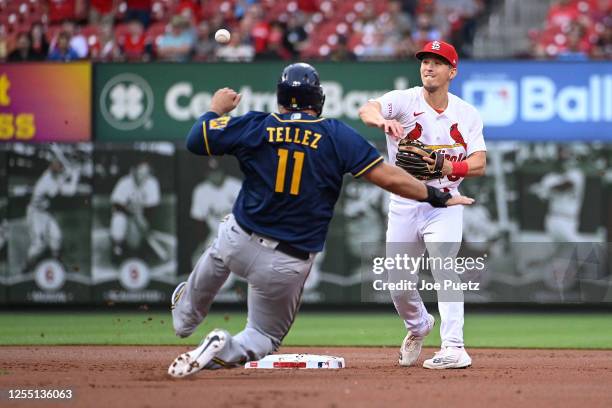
(441, 48)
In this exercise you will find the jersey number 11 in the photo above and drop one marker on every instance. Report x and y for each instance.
(296, 178)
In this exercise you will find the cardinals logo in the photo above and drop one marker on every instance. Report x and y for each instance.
(415, 133)
(456, 135)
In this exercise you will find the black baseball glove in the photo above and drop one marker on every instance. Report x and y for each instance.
(410, 158)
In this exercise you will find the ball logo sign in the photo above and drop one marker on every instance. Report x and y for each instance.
(134, 275)
(50, 275)
(126, 102)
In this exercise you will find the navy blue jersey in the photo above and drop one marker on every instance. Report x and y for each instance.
(293, 165)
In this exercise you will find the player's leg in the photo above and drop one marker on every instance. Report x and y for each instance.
(203, 284)
(403, 237)
(118, 232)
(36, 228)
(54, 236)
(442, 235)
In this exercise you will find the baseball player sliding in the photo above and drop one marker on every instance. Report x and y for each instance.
(293, 163)
(445, 134)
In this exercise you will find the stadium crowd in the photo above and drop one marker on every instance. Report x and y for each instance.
(337, 30)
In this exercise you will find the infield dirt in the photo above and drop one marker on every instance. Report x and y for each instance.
(118, 376)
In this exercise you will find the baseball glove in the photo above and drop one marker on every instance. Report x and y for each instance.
(410, 158)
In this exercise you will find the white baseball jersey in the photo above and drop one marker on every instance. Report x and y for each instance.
(49, 186)
(211, 202)
(134, 196)
(456, 132)
(568, 201)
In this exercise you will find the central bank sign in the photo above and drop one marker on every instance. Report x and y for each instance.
(161, 101)
(539, 100)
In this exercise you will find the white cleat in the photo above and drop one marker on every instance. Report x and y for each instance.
(195, 360)
(449, 357)
(411, 346)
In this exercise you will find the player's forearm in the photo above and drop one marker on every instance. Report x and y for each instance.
(397, 181)
(477, 164)
(195, 139)
(370, 115)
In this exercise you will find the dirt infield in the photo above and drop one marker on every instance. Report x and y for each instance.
(136, 377)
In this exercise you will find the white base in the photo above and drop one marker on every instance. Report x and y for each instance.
(277, 361)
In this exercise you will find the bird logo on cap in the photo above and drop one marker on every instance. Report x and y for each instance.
(435, 45)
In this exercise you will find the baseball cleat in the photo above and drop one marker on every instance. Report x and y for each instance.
(411, 346)
(176, 295)
(449, 357)
(197, 359)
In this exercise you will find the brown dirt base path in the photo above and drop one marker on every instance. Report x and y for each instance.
(136, 377)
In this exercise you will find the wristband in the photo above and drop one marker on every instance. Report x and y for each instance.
(460, 168)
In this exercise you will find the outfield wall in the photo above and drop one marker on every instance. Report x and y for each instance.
(119, 115)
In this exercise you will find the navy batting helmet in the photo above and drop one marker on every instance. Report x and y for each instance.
(299, 88)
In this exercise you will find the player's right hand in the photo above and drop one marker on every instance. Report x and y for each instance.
(224, 101)
(393, 128)
(460, 200)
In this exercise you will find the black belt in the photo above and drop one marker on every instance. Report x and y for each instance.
(283, 247)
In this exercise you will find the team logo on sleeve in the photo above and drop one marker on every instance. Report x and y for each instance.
(219, 123)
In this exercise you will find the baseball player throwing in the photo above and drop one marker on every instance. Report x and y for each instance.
(293, 163)
(451, 128)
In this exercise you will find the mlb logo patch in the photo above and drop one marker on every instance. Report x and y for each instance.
(219, 123)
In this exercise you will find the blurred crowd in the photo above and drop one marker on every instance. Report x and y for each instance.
(575, 30)
(183, 30)
(337, 30)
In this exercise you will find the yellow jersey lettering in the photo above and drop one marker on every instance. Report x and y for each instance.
(270, 134)
(296, 136)
(288, 135)
(314, 142)
(279, 134)
(307, 134)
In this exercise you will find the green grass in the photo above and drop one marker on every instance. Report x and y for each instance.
(528, 330)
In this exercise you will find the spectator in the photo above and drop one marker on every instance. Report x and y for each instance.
(577, 47)
(132, 43)
(295, 35)
(425, 31)
(178, 42)
(139, 10)
(78, 42)
(274, 46)
(23, 49)
(108, 48)
(60, 10)
(603, 47)
(38, 42)
(342, 52)
(562, 13)
(102, 10)
(62, 51)
(236, 50)
(206, 45)
(378, 47)
(260, 32)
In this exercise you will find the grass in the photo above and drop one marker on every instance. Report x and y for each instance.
(525, 330)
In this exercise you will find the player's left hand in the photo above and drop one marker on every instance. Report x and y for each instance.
(447, 167)
(460, 200)
(224, 101)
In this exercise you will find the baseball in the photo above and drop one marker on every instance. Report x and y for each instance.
(222, 36)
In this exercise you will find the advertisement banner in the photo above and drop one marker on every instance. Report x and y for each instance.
(133, 232)
(161, 101)
(49, 191)
(539, 100)
(45, 102)
(3, 223)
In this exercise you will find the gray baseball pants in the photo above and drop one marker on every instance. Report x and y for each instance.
(275, 283)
